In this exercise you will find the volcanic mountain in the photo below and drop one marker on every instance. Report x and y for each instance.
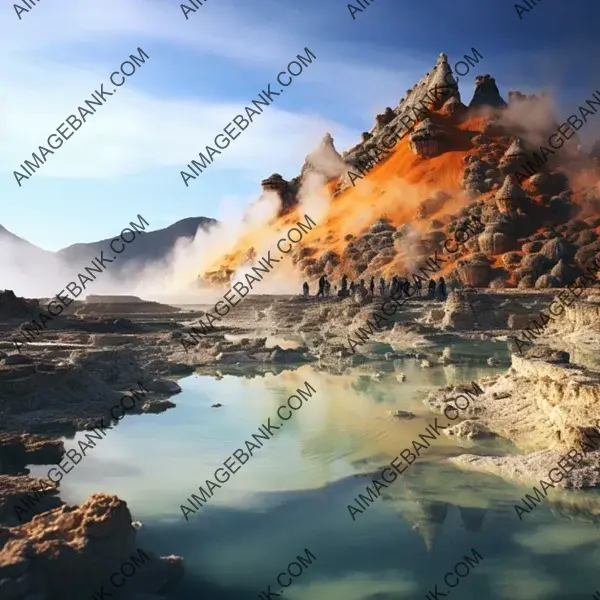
(540, 217)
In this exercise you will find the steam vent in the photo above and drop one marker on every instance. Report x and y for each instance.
(511, 196)
(514, 158)
(325, 160)
(428, 139)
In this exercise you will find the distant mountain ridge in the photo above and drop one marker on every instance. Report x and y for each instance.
(148, 246)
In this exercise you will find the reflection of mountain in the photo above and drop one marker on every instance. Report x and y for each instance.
(472, 518)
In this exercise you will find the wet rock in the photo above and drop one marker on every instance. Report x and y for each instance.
(403, 415)
(18, 359)
(469, 430)
(156, 406)
(164, 386)
(216, 405)
(291, 355)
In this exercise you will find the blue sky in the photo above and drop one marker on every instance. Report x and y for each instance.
(127, 158)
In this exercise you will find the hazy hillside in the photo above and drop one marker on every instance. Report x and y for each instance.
(147, 247)
(33, 272)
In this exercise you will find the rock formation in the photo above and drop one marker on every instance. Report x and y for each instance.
(325, 160)
(514, 158)
(276, 183)
(428, 139)
(486, 93)
(511, 196)
(71, 552)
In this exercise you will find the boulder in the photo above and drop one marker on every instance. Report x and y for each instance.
(546, 281)
(511, 259)
(586, 237)
(531, 247)
(70, 552)
(492, 242)
(164, 386)
(382, 225)
(564, 273)
(537, 263)
(558, 248)
(548, 183)
(156, 406)
(587, 253)
(475, 273)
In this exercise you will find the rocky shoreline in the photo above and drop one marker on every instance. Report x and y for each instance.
(73, 375)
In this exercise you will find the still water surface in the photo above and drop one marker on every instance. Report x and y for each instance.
(293, 493)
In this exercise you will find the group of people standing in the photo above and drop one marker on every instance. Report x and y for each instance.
(397, 287)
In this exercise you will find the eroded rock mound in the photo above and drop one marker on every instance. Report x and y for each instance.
(70, 552)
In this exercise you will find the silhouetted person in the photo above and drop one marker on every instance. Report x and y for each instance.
(352, 287)
(344, 288)
(441, 289)
(372, 286)
(327, 287)
(431, 288)
(405, 286)
(418, 287)
(321, 291)
(305, 288)
(362, 284)
(394, 288)
(382, 287)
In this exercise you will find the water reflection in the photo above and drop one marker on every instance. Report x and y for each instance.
(293, 493)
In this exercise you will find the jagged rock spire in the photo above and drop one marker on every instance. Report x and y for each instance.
(486, 93)
(325, 160)
(441, 79)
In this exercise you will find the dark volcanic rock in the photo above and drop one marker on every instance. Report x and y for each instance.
(486, 93)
